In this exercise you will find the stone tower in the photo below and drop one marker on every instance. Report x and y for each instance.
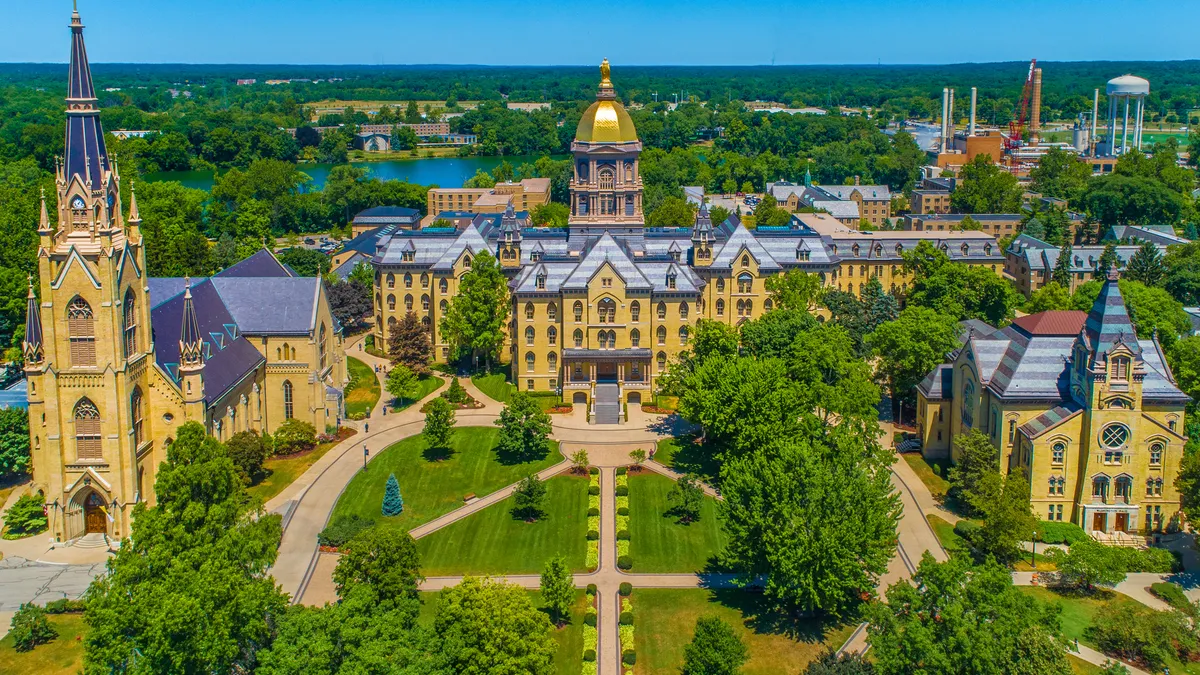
(606, 185)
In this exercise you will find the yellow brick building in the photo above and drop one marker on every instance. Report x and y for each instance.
(1075, 402)
(116, 361)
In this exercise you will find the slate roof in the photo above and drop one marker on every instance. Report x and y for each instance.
(740, 239)
(1050, 419)
(84, 153)
(1040, 255)
(939, 383)
(387, 215)
(606, 249)
(270, 305)
(343, 271)
(262, 263)
(1108, 323)
(1161, 235)
(844, 192)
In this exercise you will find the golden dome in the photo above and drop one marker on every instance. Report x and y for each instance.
(606, 121)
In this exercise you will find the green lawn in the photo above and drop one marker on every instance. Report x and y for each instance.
(492, 541)
(363, 391)
(936, 484)
(63, 655)
(432, 485)
(664, 620)
(946, 534)
(567, 660)
(495, 386)
(284, 470)
(657, 542)
(425, 386)
(683, 454)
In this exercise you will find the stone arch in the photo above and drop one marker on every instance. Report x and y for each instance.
(85, 512)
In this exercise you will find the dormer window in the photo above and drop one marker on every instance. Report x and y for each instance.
(541, 282)
(855, 250)
(671, 280)
(535, 256)
(407, 256)
(878, 250)
(1118, 368)
(899, 249)
(965, 250)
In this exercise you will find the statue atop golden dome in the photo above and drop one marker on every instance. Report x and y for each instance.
(605, 82)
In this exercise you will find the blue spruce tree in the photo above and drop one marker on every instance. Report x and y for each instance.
(393, 504)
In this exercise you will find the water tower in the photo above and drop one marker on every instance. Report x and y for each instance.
(1131, 90)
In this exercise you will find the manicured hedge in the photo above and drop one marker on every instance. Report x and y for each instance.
(1060, 532)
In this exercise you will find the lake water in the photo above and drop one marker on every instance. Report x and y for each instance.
(441, 171)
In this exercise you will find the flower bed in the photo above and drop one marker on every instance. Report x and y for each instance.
(561, 409)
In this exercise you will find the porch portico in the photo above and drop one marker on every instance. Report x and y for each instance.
(583, 369)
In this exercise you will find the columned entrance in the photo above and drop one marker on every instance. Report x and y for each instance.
(606, 375)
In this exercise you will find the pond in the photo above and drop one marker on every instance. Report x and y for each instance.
(441, 171)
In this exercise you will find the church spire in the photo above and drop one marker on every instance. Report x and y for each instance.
(32, 344)
(191, 345)
(44, 219)
(85, 154)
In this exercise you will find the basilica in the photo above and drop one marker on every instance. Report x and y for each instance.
(116, 360)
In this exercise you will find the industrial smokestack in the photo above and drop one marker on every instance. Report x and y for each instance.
(1035, 117)
(971, 126)
(950, 119)
(945, 114)
(1095, 109)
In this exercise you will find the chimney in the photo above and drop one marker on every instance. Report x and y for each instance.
(1035, 117)
(971, 126)
(856, 180)
(1095, 109)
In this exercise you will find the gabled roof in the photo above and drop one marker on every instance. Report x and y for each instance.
(262, 264)
(270, 305)
(606, 249)
(739, 239)
(1064, 323)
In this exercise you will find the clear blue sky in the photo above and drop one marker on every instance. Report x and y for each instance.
(573, 32)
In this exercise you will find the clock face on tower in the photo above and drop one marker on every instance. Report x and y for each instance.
(77, 203)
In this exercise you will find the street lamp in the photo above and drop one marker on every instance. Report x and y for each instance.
(1033, 554)
(366, 453)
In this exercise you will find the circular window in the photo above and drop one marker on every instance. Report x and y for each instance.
(1114, 435)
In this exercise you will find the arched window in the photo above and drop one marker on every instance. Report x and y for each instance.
(767, 305)
(529, 335)
(683, 335)
(322, 354)
(662, 335)
(443, 285)
(407, 280)
(1119, 368)
(745, 260)
(578, 308)
(578, 338)
(391, 280)
(552, 335)
(606, 179)
(529, 311)
(683, 311)
(635, 338)
(130, 311)
(81, 332)
(287, 400)
(749, 307)
(530, 362)
(391, 300)
(662, 361)
(443, 306)
(1156, 454)
(662, 310)
(635, 311)
(741, 307)
(720, 307)
(408, 303)
(552, 312)
(87, 430)
(424, 303)
(608, 310)
(135, 417)
(1058, 453)
(720, 285)
(745, 283)
(552, 362)
(1124, 488)
(1100, 487)
(424, 280)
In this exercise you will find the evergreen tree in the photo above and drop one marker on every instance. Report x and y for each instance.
(1108, 261)
(1062, 267)
(393, 503)
(715, 649)
(1146, 266)
(558, 589)
(439, 423)
(474, 325)
(408, 344)
(1190, 232)
(455, 393)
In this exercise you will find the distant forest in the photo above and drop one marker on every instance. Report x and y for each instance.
(902, 91)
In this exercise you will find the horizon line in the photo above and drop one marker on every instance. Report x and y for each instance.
(588, 65)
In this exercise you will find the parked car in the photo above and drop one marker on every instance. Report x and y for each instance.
(309, 240)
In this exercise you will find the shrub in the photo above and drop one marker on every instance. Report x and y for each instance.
(592, 590)
(1157, 560)
(966, 529)
(623, 535)
(593, 489)
(1168, 592)
(589, 654)
(593, 511)
(593, 535)
(342, 530)
(625, 589)
(26, 516)
(294, 436)
(595, 471)
(625, 562)
(628, 657)
(626, 619)
(65, 606)
(622, 490)
(621, 470)
(31, 628)
(1060, 533)
(1138, 633)
(589, 619)
(456, 393)
(248, 451)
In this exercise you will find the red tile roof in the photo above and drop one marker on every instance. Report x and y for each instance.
(1053, 322)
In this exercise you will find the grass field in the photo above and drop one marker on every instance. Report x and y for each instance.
(432, 484)
(495, 386)
(665, 619)
(567, 660)
(63, 655)
(657, 542)
(363, 391)
(936, 484)
(284, 470)
(492, 541)
(425, 386)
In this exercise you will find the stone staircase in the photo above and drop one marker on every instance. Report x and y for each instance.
(608, 404)
(93, 540)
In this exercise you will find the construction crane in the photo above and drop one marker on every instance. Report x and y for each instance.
(1016, 128)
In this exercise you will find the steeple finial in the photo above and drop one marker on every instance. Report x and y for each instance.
(134, 215)
(606, 91)
(32, 344)
(191, 345)
(44, 220)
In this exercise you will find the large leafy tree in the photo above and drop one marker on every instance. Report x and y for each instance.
(474, 324)
(985, 187)
(408, 344)
(558, 588)
(1052, 296)
(486, 626)
(1183, 273)
(1007, 520)
(955, 618)
(813, 514)
(382, 558)
(14, 441)
(977, 459)
(524, 428)
(350, 300)
(189, 591)
(715, 649)
(439, 423)
(911, 346)
(966, 292)
(1061, 175)
(795, 289)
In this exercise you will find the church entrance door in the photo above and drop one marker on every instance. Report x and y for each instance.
(1100, 522)
(93, 514)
